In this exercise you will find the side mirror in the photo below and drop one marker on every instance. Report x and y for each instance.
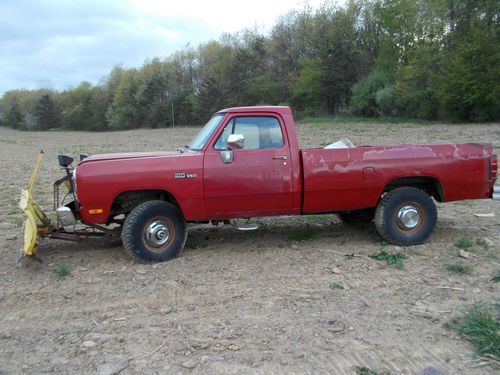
(226, 156)
(236, 141)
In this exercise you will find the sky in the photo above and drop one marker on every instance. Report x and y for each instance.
(58, 44)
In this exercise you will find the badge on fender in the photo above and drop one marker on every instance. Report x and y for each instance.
(185, 175)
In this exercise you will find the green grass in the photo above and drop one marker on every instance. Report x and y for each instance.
(491, 256)
(336, 286)
(481, 242)
(318, 216)
(348, 119)
(459, 269)
(303, 234)
(496, 277)
(479, 326)
(464, 243)
(61, 271)
(11, 141)
(365, 371)
(395, 260)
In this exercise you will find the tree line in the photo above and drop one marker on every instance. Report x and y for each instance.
(430, 59)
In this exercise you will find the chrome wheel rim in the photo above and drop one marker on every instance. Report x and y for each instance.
(408, 217)
(158, 233)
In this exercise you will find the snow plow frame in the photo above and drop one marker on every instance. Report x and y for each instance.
(38, 225)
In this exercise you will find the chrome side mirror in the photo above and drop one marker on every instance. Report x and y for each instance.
(235, 141)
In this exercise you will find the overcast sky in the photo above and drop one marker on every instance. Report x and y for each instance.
(58, 44)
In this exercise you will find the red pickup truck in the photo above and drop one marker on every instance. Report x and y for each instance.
(246, 162)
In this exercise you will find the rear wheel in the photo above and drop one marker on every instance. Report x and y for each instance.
(155, 231)
(406, 216)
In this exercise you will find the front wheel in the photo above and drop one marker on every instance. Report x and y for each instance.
(406, 216)
(155, 231)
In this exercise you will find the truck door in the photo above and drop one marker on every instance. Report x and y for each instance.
(254, 180)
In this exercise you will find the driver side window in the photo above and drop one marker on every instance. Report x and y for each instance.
(260, 133)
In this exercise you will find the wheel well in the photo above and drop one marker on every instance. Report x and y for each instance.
(125, 202)
(428, 184)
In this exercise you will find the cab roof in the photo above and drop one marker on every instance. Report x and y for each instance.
(282, 110)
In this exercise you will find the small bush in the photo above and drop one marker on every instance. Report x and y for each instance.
(391, 259)
(365, 371)
(387, 101)
(464, 243)
(458, 269)
(496, 277)
(480, 327)
(61, 270)
(375, 95)
(303, 234)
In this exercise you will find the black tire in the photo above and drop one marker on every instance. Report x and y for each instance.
(406, 216)
(358, 216)
(155, 231)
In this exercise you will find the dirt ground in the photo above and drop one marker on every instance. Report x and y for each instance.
(242, 302)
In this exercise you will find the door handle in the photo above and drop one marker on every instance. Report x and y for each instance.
(281, 157)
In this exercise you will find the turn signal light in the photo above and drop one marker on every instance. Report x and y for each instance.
(493, 167)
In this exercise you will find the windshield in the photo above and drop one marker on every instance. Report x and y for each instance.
(204, 135)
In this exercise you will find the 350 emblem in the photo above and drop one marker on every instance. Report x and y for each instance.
(185, 175)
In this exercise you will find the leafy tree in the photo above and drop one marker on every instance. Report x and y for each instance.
(422, 58)
(99, 103)
(77, 113)
(124, 112)
(309, 93)
(46, 113)
(373, 95)
(12, 117)
(468, 84)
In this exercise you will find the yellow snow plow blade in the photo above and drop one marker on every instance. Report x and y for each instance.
(36, 223)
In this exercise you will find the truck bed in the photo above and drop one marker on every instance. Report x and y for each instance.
(351, 178)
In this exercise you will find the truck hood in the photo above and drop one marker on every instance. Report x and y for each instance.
(130, 155)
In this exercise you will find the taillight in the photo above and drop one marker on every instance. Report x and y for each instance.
(493, 167)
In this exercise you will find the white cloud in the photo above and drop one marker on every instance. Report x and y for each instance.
(221, 15)
(67, 42)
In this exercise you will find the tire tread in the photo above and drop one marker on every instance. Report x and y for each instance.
(128, 234)
(380, 222)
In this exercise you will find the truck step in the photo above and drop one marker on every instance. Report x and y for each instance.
(245, 225)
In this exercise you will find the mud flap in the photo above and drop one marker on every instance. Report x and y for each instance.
(36, 222)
